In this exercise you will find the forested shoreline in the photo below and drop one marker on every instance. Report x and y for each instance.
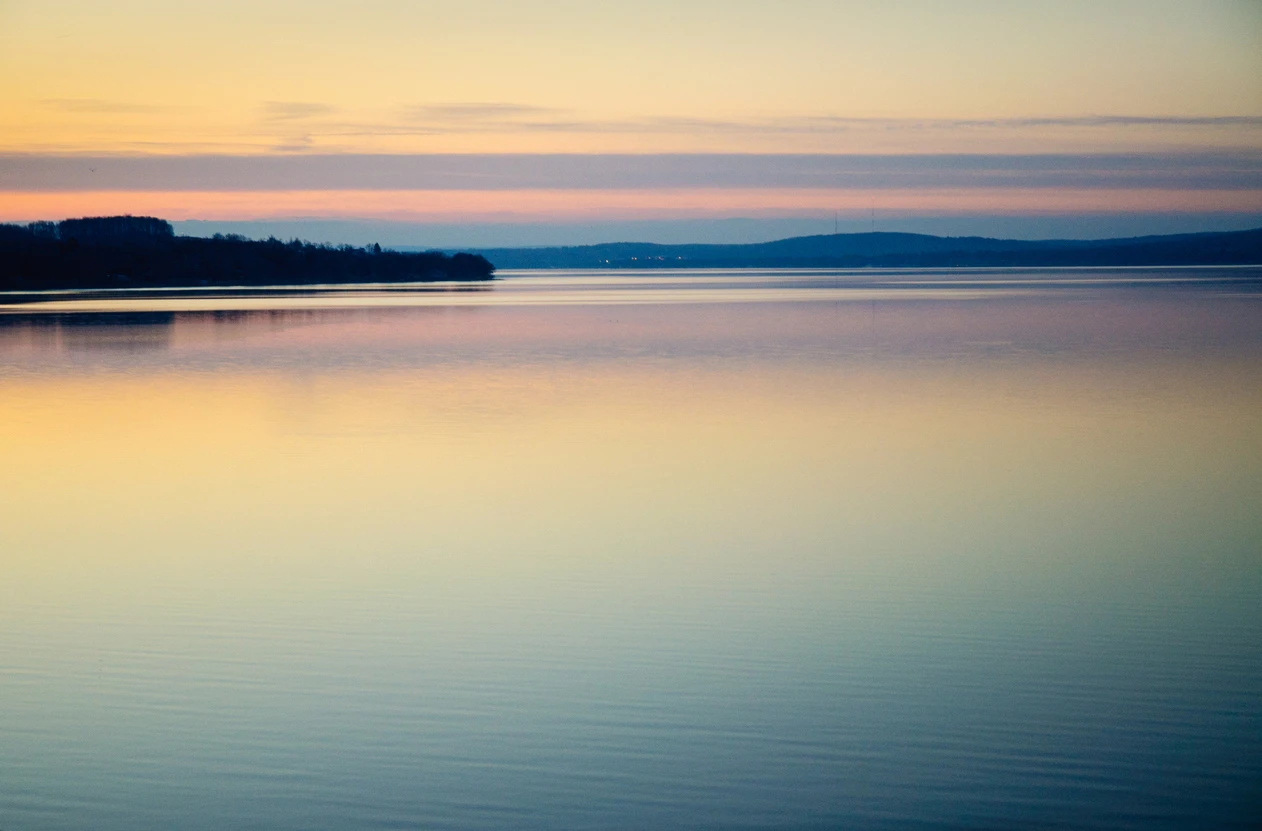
(144, 252)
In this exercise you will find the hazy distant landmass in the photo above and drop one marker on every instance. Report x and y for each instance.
(897, 250)
(144, 252)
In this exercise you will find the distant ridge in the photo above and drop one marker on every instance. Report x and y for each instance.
(898, 250)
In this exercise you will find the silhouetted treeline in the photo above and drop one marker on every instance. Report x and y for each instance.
(896, 250)
(109, 252)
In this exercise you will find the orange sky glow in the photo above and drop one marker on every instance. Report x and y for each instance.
(536, 204)
(276, 79)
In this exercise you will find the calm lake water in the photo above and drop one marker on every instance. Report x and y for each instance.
(777, 550)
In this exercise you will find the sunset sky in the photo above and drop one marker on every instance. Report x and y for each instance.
(495, 114)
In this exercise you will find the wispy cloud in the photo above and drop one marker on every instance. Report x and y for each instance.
(308, 127)
(476, 112)
(295, 124)
(1221, 171)
(498, 117)
(295, 110)
(294, 144)
(100, 106)
(1123, 121)
(1058, 121)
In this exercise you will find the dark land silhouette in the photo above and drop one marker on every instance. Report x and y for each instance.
(144, 252)
(895, 250)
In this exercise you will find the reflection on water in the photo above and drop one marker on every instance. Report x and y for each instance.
(608, 288)
(612, 551)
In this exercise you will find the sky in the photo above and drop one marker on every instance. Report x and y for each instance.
(541, 121)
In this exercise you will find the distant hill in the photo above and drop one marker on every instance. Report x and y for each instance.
(144, 252)
(893, 250)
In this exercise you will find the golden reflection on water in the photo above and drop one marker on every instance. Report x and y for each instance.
(418, 560)
(727, 474)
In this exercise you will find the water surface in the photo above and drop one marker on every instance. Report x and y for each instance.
(973, 549)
